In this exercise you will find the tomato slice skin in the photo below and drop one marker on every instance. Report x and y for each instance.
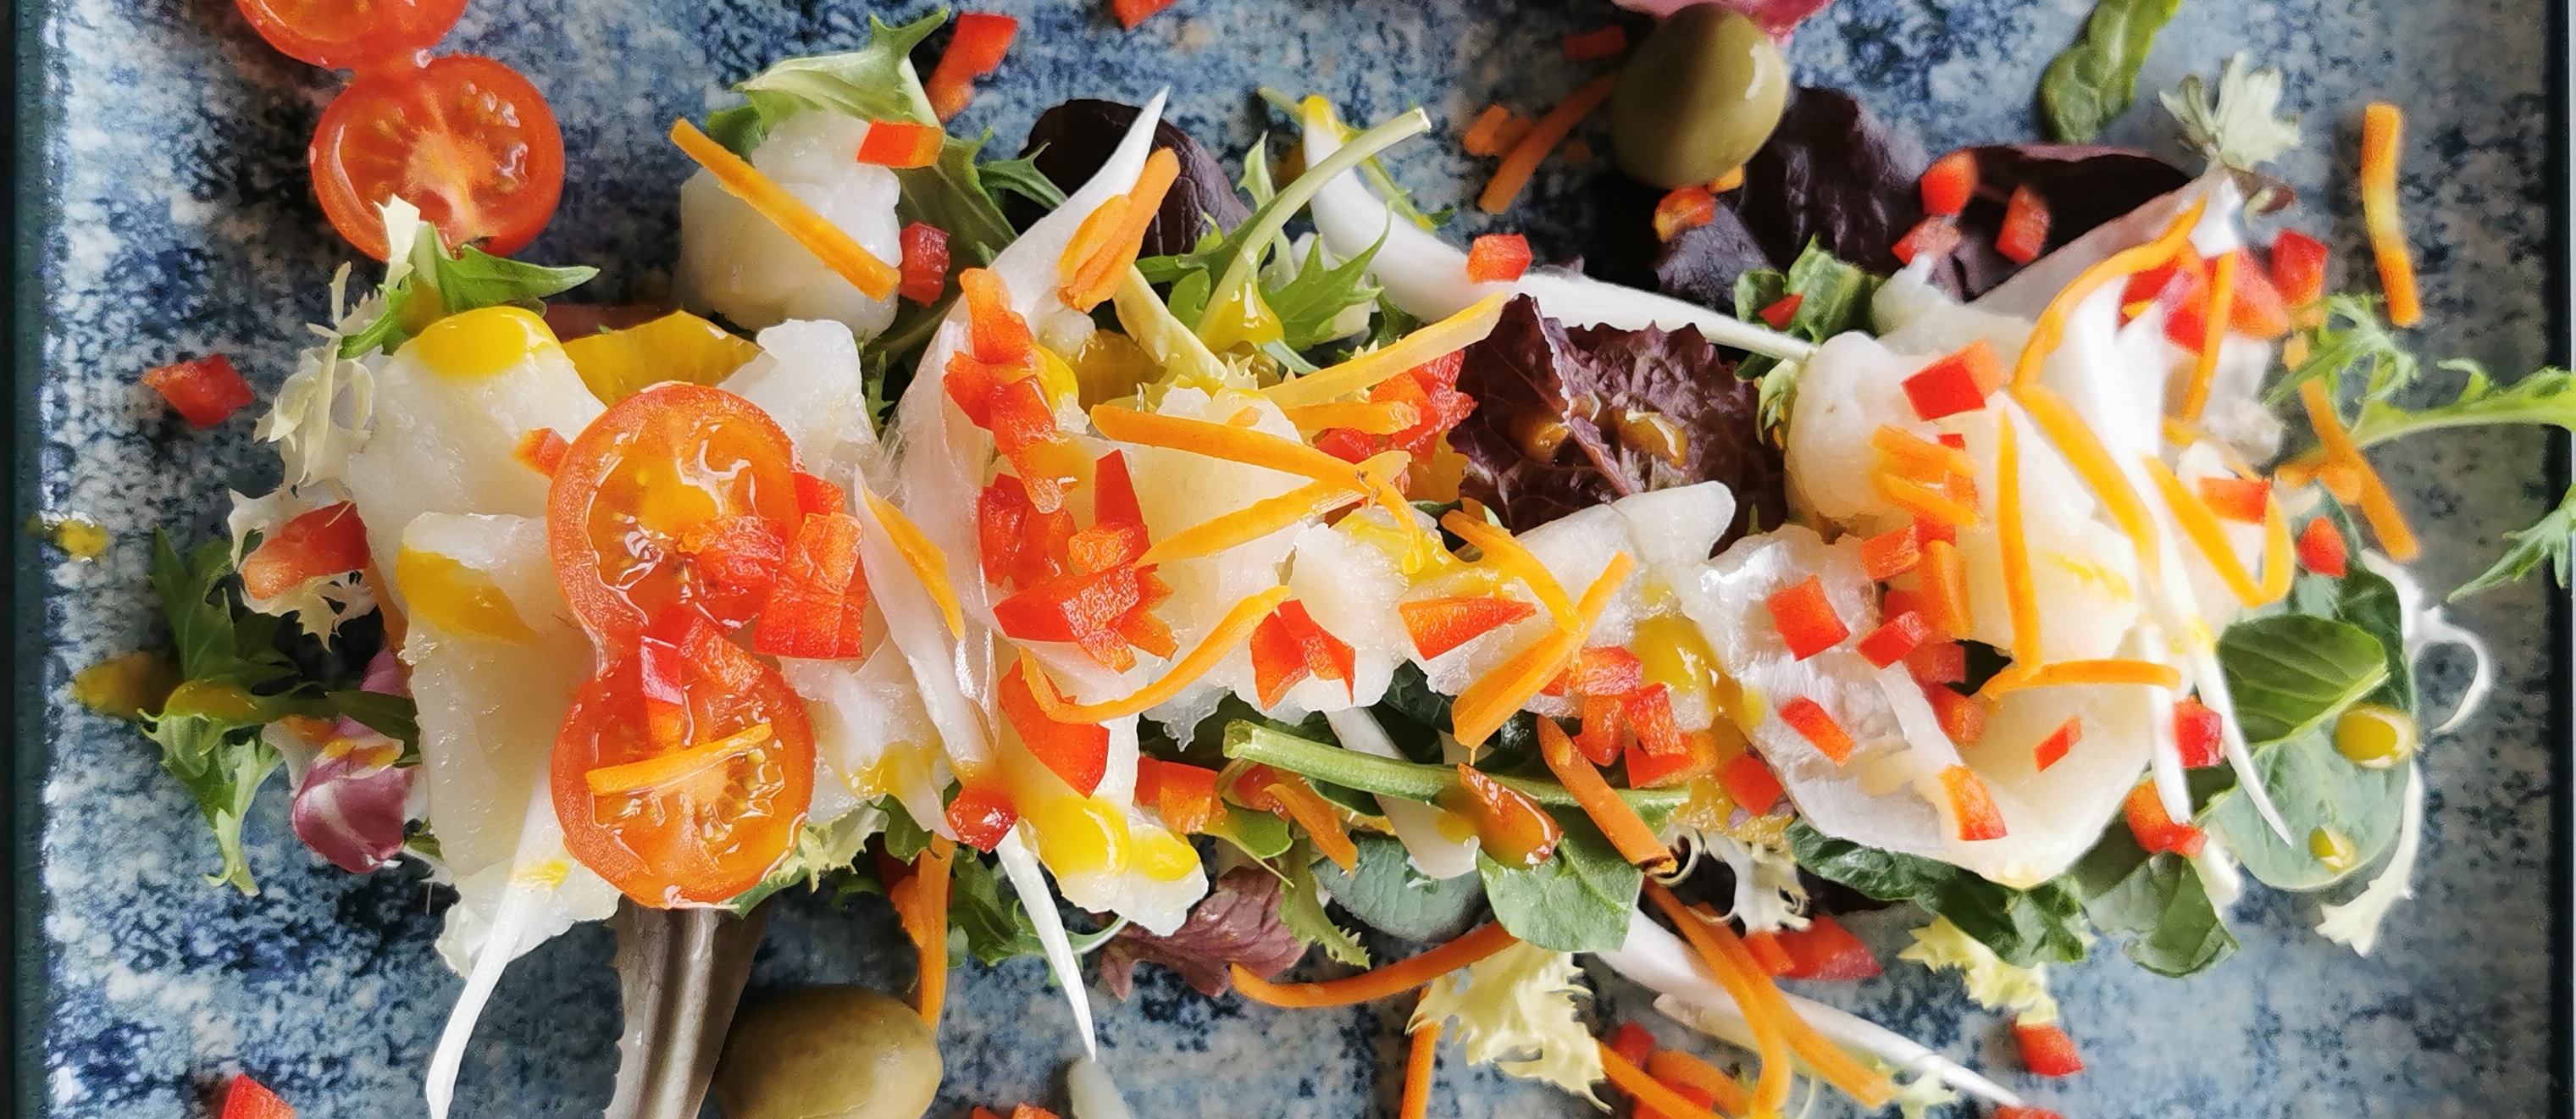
(712, 834)
(465, 138)
(341, 35)
(681, 498)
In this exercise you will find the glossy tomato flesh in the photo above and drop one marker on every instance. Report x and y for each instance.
(464, 138)
(680, 497)
(351, 34)
(705, 833)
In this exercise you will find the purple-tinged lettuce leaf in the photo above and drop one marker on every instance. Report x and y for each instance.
(1237, 923)
(1069, 142)
(2083, 186)
(349, 808)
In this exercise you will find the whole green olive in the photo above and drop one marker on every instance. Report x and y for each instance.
(828, 1053)
(1698, 98)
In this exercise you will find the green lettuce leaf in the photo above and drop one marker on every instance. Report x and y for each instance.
(2546, 541)
(2160, 898)
(2352, 340)
(1579, 900)
(1301, 907)
(2090, 83)
(440, 283)
(1833, 297)
(874, 82)
(2042, 924)
(1389, 895)
(222, 764)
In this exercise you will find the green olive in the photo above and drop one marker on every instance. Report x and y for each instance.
(828, 1053)
(1698, 98)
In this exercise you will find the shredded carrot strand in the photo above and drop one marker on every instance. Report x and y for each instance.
(2147, 674)
(1099, 275)
(1676, 1066)
(1269, 515)
(1232, 630)
(1244, 445)
(1395, 978)
(1484, 705)
(922, 902)
(2200, 524)
(1507, 553)
(2376, 506)
(2379, 124)
(1923, 457)
(2092, 462)
(1364, 371)
(927, 562)
(1421, 1065)
(1770, 1041)
(1650, 1092)
(2279, 561)
(1315, 814)
(1925, 501)
(2020, 595)
(1715, 940)
(655, 772)
(2222, 294)
(1090, 237)
(1379, 418)
(1523, 160)
(837, 250)
(1619, 822)
(2050, 330)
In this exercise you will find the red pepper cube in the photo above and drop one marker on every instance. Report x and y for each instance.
(541, 450)
(1933, 236)
(996, 333)
(970, 384)
(1599, 739)
(1815, 724)
(246, 1098)
(1607, 671)
(2322, 550)
(1750, 784)
(1806, 619)
(901, 144)
(2256, 309)
(1602, 42)
(925, 263)
(2156, 831)
(1894, 639)
(1133, 12)
(1632, 1043)
(1184, 795)
(1952, 440)
(2025, 230)
(1655, 771)
(1949, 183)
(2046, 1050)
(2200, 736)
(814, 495)
(1958, 383)
(1781, 311)
(206, 391)
(1974, 807)
(1438, 625)
(2299, 274)
(1682, 209)
(976, 50)
(1766, 950)
(1890, 554)
(1938, 662)
(1076, 752)
(1828, 952)
(1933, 532)
(1649, 713)
(1962, 717)
(2052, 749)
(2236, 499)
(1497, 258)
(981, 817)
(818, 605)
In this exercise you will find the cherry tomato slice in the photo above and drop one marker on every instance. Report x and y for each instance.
(464, 138)
(680, 497)
(683, 772)
(351, 34)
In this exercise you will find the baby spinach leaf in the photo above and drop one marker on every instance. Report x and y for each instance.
(2289, 673)
(2315, 789)
(2042, 924)
(2096, 79)
(1579, 900)
(2160, 898)
(1389, 895)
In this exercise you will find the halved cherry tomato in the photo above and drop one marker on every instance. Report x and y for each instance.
(680, 497)
(702, 828)
(464, 138)
(351, 34)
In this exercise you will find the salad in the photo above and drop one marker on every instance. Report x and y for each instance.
(1104, 553)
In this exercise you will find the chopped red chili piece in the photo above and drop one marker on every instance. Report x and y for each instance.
(1750, 784)
(1497, 258)
(1806, 619)
(1896, 639)
(925, 263)
(2025, 230)
(2199, 734)
(2052, 749)
(2156, 831)
(976, 50)
(1949, 183)
(1890, 554)
(1938, 662)
(1827, 951)
(206, 391)
(1978, 817)
(2322, 550)
(2047, 1051)
(1958, 383)
(1815, 724)
(1683, 209)
(1933, 236)
(1962, 717)
(2236, 499)
(1780, 312)
(981, 817)
(901, 144)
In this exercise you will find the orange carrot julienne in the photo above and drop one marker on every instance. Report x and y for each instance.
(1269, 515)
(1523, 160)
(1315, 814)
(835, 248)
(1484, 705)
(1619, 823)
(922, 902)
(2200, 524)
(2086, 672)
(1651, 1094)
(2376, 506)
(927, 562)
(1395, 978)
(1098, 277)
(1232, 630)
(2204, 369)
(1507, 553)
(2379, 125)
(1741, 978)
(2051, 327)
(2093, 462)
(2020, 594)
(1421, 1064)
(1674, 1067)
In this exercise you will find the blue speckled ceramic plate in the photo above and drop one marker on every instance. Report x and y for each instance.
(163, 212)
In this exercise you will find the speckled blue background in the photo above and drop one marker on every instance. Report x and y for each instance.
(170, 216)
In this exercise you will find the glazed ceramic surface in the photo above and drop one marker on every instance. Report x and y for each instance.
(167, 214)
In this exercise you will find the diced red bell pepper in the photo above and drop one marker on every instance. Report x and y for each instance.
(924, 271)
(1633, 1044)
(1140, 627)
(970, 383)
(996, 333)
(1005, 537)
(2200, 736)
(1511, 827)
(1105, 545)
(2236, 499)
(1949, 183)
(895, 143)
(1979, 819)
(2025, 231)
(2052, 749)
(1962, 717)
(1497, 258)
(541, 450)
(976, 50)
(1934, 236)
(981, 816)
(1184, 795)
(1602, 670)
(1890, 554)
(2322, 550)
(814, 495)
(2046, 1050)
(246, 1098)
(1438, 625)
(2156, 831)
(818, 608)
(1781, 311)
(1684, 208)
(1288, 647)
(1649, 713)
(315, 544)
(1250, 787)
(1827, 951)
(1806, 619)
(1815, 724)
(1750, 784)
(1938, 662)
(740, 553)
(206, 391)
(1082, 609)
(1077, 752)
(1021, 419)
(1895, 639)
(1958, 383)
(2255, 308)
(1133, 12)
(1931, 530)
(1767, 951)
(1113, 492)
(2299, 273)
(2185, 298)
(2010, 1111)
(1654, 771)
